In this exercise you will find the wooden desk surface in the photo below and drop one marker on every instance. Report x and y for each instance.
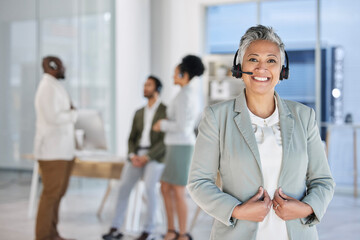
(87, 166)
(97, 169)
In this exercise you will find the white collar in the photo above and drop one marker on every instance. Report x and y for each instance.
(50, 77)
(155, 105)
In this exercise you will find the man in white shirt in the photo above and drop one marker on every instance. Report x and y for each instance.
(146, 153)
(54, 145)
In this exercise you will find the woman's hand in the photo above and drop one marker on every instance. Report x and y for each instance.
(288, 208)
(254, 209)
(156, 126)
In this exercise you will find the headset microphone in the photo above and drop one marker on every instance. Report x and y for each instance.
(238, 73)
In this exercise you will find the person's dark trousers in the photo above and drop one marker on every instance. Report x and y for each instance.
(55, 176)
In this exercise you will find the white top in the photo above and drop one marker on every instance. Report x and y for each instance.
(181, 118)
(268, 137)
(149, 113)
(54, 138)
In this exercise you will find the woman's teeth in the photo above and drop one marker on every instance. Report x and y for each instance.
(261, 78)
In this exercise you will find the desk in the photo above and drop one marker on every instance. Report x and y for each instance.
(86, 165)
(354, 127)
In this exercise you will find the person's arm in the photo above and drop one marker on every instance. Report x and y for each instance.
(319, 182)
(50, 108)
(203, 173)
(132, 139)
(183, 115)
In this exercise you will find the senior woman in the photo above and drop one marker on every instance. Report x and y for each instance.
(179, 140)
(276, 182)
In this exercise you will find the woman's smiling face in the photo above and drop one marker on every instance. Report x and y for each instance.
(262, 58)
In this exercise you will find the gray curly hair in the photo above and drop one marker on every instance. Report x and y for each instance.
(260, 32)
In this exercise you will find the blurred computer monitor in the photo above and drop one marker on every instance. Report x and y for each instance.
(90, 124)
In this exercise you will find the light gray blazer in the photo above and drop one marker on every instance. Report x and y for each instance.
(226, 143)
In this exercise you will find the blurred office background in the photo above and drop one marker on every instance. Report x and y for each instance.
(109, 47)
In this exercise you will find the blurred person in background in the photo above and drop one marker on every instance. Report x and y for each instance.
(179, 139)
(54, 145)
(146, 150)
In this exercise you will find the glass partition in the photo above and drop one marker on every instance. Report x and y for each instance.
(81, 33)
(18, 79)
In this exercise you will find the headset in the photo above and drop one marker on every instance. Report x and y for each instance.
(237, 72)
(159, 87)
(53, 65)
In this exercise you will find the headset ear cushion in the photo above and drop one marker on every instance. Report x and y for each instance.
(284, 73)
(236, 71)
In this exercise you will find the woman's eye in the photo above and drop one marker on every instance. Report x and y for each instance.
(272, 61)
(252, 60)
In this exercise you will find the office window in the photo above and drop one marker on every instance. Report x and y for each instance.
(340, 21)
(299, 38)
(225, 24)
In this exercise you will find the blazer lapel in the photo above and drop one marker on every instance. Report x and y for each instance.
(157, 115)
(141, 118)
(243, 123)
(287, 130)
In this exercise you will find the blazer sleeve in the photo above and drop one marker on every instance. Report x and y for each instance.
(52, 111)
(319, 182)
(203, 172)
(133, 137)
(157, 149)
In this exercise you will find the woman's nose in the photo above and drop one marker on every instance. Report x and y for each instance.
(261, 66)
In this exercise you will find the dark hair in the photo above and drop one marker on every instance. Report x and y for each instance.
(192, 65)
(157, 81)
(47, 60)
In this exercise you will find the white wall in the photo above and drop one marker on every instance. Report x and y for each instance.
(175, 32)
(132, 64)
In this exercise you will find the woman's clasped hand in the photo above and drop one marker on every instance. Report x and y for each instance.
(257, 207)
